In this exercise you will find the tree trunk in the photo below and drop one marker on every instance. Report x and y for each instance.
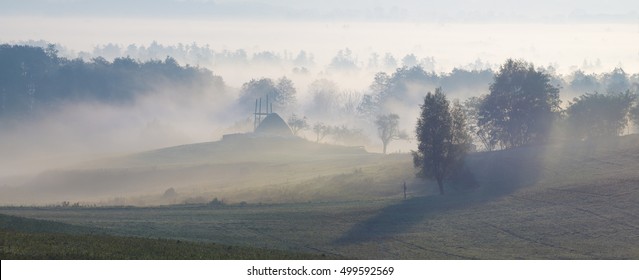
(440, 183)
(384, 144)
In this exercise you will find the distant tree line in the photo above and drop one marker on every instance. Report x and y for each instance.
(33, 79)
(341, 134)
(407, 84)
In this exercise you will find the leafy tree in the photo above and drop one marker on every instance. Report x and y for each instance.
(442, 139)
(460, 132)
(407, 81)
(256, 89)
(478, 133)
(521, 106)
(461, 80)
(296, 123)
(286, 92)
(367, 107)
(370, 105)
(402, 86)
(616, 81)
(599, 115)
(388, 129)
(582, 82)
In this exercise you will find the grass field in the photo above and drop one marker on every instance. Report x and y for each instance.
(556, 202)
(22, 238)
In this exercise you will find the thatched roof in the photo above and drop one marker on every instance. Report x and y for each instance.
(273, 124)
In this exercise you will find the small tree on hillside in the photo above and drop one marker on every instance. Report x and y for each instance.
(443, 140)
(321, 130)
(388, 129)
(296, 124)
(286, 92)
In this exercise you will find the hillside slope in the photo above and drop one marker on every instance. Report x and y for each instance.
(231, 169)
(576, 201)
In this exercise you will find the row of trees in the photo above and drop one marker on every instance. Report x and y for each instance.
(33, 79)
(521, 109)
(596, 115)
(339, 133)
(578, 81)
(203, 55)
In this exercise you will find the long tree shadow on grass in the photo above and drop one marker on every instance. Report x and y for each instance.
(497, 174)
(398, 218)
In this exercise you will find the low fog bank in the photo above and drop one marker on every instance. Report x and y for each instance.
(84, 131)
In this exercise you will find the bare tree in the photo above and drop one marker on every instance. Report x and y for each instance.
(388, 129)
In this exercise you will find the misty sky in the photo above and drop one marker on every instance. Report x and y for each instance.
(454, 32)
(394, 10)
(592, 35)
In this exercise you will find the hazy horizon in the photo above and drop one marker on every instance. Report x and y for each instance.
(566, 47)
(454, 33)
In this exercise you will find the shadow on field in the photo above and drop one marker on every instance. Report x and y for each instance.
(496, 174)
(398, 218)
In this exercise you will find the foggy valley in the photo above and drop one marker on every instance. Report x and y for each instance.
(332, 131)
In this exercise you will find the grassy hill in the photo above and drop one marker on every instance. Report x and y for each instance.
(562, 201)
(231, 170)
